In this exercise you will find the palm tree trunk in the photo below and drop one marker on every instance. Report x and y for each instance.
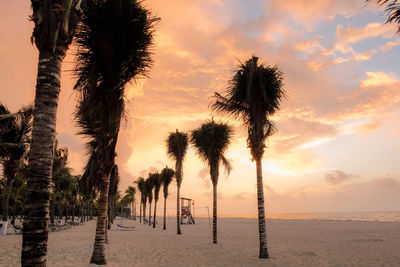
(214, 213)
(36, 220)
(261, 212)
(149, 213)
(178, 210)
(6, 198)
(140, 212)
(165, 211)
(98, 256)
(155, 212)
(144, 212)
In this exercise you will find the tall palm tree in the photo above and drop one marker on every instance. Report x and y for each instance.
(157, 182)
(177, 145)
(392, 9)
(114, 182)
(141, 186)
(114, 41)
(253, 95)
(55, 25)
(149, 193)
(15, 129)
(211, 140)
(145, 195)
(166, 176)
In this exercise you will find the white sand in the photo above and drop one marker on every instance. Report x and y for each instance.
(291, 243)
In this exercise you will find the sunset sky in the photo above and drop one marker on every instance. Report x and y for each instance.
(338, 145)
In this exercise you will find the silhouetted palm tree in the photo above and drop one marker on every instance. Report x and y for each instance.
(254, 94)
(15, 129)
(157, 182)
(129, 197)
(149, 193)
(392, 9)
(114, 41)
(177, 144)
(55, 24)
(166, 176)
(211, 140)
(141, 186)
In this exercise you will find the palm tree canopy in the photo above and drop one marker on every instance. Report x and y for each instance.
(177, 144)
(392, 9)
(15, 129)
(114, 42)
(167, 175)
(156, 180)
(130, 194)
(211, 140)
(141, 185)
(149, 188)
(253, 95)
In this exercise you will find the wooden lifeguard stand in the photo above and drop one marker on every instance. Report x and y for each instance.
(186, 211)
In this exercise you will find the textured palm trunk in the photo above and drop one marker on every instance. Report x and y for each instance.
(73, 215)
(6, 198)
(36, 217)
(165, 211)
(261, 212)
(98, 255)
(140, 211)
(149, 213)
(214, 213)
(144, 212)
(155, 214)
(178, 211)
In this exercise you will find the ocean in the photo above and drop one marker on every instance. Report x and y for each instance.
(379, 216)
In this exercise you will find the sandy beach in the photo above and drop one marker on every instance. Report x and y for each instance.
(291, 243)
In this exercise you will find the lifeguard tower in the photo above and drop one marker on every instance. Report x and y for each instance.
(186, 211)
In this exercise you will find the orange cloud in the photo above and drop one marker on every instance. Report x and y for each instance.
(352, 35)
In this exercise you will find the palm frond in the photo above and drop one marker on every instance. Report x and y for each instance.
(253, 95)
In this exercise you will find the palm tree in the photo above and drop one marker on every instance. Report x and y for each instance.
(177, 145)
(55, 24)
(114, 182)
(253, 95)
(157, 182)
(114, 41)
(149, 193)
(14, 142)
(211, 140)
(130, 194)
(166, 176)
(141, 186)
(392, 9)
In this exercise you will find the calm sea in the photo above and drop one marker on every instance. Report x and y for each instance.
(391, 216)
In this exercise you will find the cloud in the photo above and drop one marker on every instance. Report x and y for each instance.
(387, 182)
(368, 128)
(309, 12)
(203, 174)
(298, 132)
(337, 177)
(350, 35)
(241, 196)
(377, 79)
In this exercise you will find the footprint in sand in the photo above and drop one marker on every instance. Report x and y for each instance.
(308, 253)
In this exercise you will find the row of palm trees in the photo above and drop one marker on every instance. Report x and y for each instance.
(211, 141)
(146, 186)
